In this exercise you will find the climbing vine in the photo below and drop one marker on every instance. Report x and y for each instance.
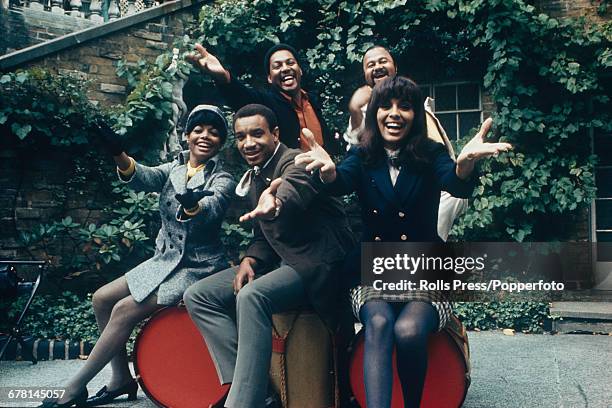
(548, 78)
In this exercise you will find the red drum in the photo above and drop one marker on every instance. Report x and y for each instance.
(173, 365)
(448, 370)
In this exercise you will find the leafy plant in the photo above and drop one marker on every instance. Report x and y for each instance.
(88, 247)
(527, 317)
(36, 103)
(63, 317)
(236, 239)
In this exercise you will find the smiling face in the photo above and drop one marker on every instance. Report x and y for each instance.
(378, 65)
(204, 142)
(285, 73)
(394, 119)
(254, 139)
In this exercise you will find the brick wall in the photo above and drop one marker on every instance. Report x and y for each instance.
(40, 186)
(97, 59)
(20, 28)
(574, 8)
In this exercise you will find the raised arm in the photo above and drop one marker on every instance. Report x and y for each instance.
(208, 64)
(478, 149)
(234, 92)
(337, 180)
(458, 179)
(143, 178)
(358, 101)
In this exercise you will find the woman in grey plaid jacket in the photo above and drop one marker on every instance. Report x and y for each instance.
(194, 194)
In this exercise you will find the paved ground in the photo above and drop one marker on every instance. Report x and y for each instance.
(568, 370)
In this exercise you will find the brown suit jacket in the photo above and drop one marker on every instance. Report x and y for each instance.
(311, 233)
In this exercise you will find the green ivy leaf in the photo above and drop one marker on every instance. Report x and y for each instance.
(21, 131)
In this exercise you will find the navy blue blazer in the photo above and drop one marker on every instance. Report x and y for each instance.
(407, 211)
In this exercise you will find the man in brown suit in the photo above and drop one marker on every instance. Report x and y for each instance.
(300, 239)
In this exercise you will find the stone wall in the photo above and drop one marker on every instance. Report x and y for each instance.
(41, 186)
(22, 27)
(576, 8)
(97, 60)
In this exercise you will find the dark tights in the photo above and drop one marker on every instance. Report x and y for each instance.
(407, 326)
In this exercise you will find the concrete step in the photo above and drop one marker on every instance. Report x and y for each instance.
(593, 317)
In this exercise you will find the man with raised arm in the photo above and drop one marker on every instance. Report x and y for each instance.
(300, 240)
(378, 64)
(294, 107)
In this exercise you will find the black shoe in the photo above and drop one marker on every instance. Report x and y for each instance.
(104, 396)
(78, 401)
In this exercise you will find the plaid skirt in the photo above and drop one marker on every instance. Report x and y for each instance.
(361, 294)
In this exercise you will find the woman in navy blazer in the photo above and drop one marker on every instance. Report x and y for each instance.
(398, 173)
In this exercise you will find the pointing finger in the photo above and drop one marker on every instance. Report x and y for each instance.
(485, 128)
(309, 138)
(246, 217)
(201, 50)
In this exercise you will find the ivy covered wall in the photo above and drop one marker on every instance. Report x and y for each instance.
(545, 80)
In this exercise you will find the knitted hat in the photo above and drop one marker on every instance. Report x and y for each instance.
(209, 115)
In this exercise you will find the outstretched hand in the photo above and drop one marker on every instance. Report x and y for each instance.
(268, 206)
(189, 199)
(110, 139)
(209, 64)
(316, 158)
(478, 149)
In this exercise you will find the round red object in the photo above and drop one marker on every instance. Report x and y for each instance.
(173, 365)
(446, 383)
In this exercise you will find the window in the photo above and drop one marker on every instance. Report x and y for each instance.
(458, 106)
(602, 144)
(601, 210)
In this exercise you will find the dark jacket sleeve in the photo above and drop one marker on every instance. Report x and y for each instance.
(348, 175)
(237, 94)
(298, 188)
(261, 250)
(446, 175)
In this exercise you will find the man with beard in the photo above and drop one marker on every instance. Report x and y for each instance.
(300, 240)
(378, 65)
(295, 108)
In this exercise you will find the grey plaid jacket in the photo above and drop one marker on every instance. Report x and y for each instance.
(185, 250)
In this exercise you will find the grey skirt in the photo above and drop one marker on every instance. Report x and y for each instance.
(361, 294)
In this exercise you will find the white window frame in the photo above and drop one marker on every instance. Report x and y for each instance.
(456, 112)
(602, 270)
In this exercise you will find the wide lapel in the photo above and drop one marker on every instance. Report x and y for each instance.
(382, 181)
(178, 175)
(178, 178)
(197, 180)
(265, 177)
(202, 176)
(270, 172)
